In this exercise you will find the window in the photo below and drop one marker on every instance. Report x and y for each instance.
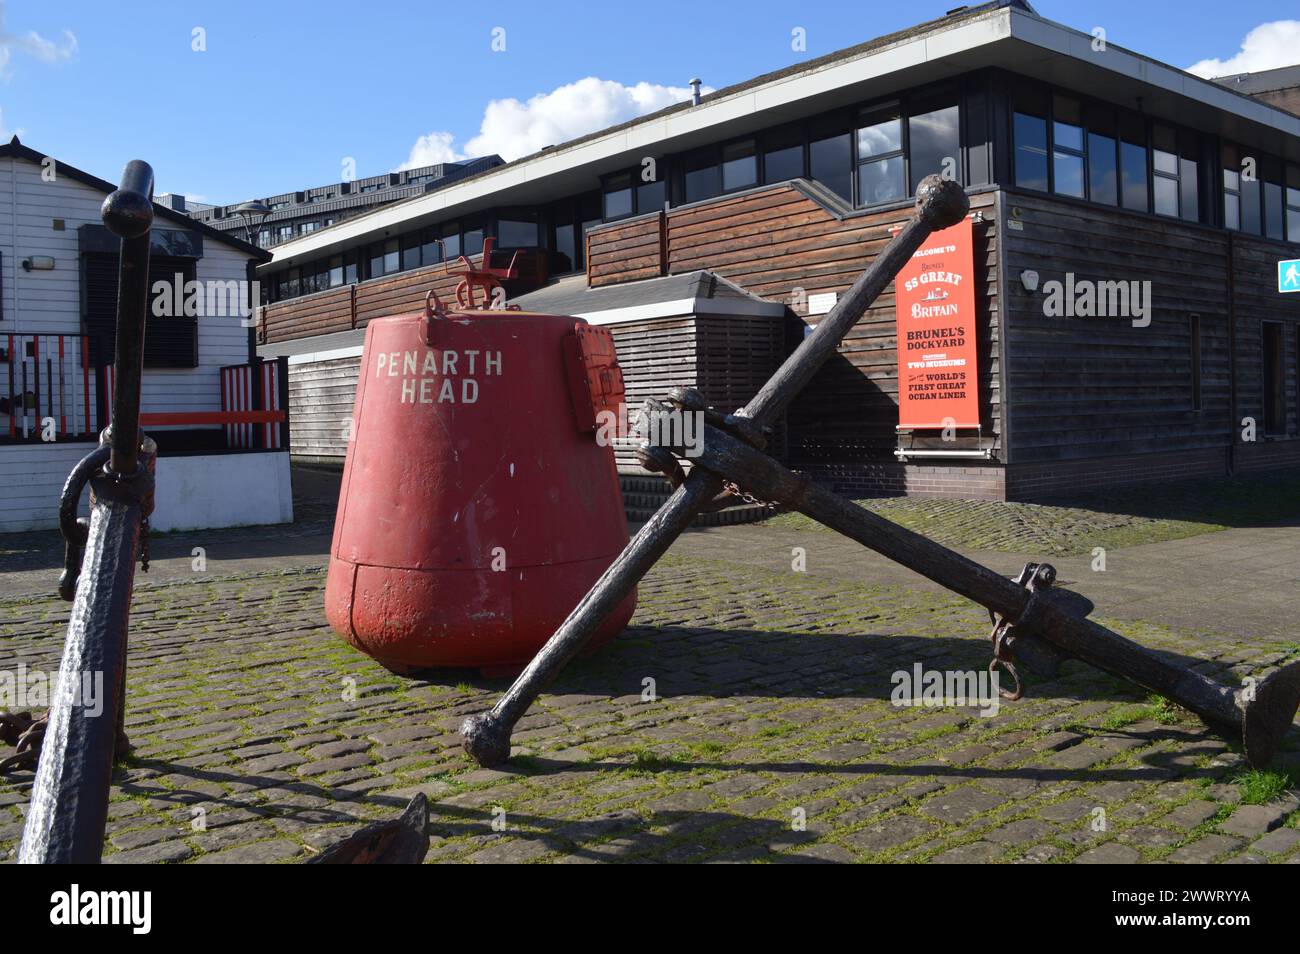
(739, 166)
(411, 257)
(385, 258)
(335, 271)
(264, 237)
(430, 247)
(1133, 162)
(1231, 189)
(450, 240)
(1103, 152)
(650, 195)
(564, 239)
(880, 156)
(283, 233)
(933, 139)
(783, 155)
(701, 177)
(472, 238)
(618, 196)
(1030, 134)
(1293, 203)
(1274, 378)
(978, 140)
(1067, 147)
(351, 266)
(1241, 191)
(517, 230)
(1195, 334)
(830, 158)
(1164, 170)
(307, 227)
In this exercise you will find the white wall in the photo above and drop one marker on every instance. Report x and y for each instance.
(191, 493)
(222, 490)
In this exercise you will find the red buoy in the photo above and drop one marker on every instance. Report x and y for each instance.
(477, 505)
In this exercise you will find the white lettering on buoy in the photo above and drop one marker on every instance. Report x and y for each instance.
(434, 365)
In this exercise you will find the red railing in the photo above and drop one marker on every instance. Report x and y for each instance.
(48, 376)
(252, 414)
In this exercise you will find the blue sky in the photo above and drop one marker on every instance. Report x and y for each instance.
(285, 91)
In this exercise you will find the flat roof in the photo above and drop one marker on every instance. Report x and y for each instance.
(1007, 35)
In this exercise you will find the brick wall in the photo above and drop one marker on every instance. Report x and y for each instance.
(978, 482)
(1033, 481)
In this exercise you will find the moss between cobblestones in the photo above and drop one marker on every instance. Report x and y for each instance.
(773, 695)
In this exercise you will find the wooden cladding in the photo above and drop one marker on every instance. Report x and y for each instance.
(1103, 386)
(782, 245)
(353, 306)
(627, 251)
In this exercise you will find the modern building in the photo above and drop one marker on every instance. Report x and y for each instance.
(711, 235)
(295, 214)
(203, 380)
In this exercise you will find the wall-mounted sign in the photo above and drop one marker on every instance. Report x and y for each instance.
(821, 303)
(1288, 276)
(934, 298)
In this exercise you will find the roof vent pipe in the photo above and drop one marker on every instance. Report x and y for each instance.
(695, 91)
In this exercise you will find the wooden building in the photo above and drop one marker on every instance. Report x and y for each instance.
(1087, 168)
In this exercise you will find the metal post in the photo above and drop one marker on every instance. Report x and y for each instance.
(69, 805)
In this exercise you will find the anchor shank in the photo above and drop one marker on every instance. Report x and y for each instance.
(1086, 640)
(487, 737)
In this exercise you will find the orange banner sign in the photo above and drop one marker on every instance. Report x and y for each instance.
(935, 307)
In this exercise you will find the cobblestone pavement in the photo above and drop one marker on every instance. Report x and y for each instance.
(260, 736)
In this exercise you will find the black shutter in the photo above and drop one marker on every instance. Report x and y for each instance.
(169, 342)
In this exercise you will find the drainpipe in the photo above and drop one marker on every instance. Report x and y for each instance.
(1232, 354)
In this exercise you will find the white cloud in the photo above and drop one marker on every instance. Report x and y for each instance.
(1266, 47)
(432, 149)
(33, 44)
(512, 129)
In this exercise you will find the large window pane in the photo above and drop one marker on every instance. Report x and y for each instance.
(739, 166)
(1250, 221)
(392, 257)
(565, 250)
(1273, 210)
(516, 233)
(618, 196)
(1133, 173)
(1190, 194)
(430, 250)
(472, 240)
(650, 197)
(880, 180)
(1231, 211)
(782, 164)
(702, 179)
(1031, 152)
(1103, 182)
(880, 134)
(410, 252)
(1067, 170)
(830, 161)
(451, 240)
(934, 144)
(1166, 195)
